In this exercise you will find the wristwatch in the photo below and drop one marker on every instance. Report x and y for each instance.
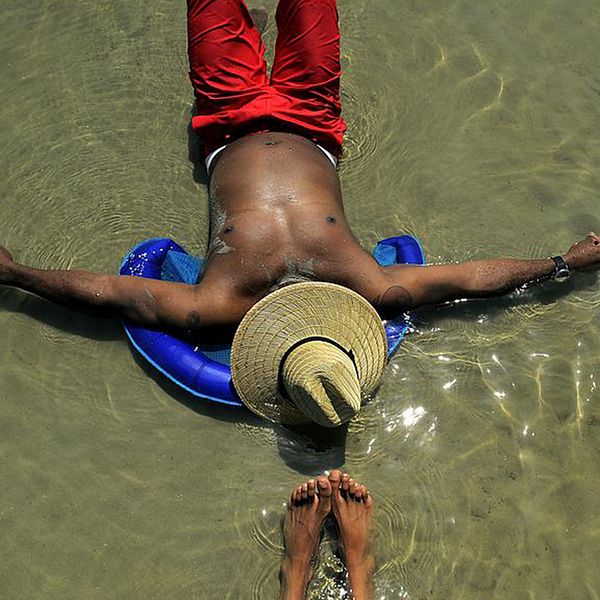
(562, 272)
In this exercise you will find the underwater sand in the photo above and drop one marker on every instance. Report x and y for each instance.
(473, 125)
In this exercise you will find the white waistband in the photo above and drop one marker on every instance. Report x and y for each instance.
(211, 157)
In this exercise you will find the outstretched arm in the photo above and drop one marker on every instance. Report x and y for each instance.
(408, 287)
(147, 301)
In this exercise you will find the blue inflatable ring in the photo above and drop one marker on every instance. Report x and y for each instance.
(203, 368)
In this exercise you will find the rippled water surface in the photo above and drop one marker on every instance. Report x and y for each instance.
(471, 124)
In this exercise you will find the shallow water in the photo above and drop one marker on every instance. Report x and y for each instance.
(473, 125)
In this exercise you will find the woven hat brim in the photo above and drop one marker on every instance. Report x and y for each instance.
(285, 318)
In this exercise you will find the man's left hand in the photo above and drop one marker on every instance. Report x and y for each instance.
(585, 253)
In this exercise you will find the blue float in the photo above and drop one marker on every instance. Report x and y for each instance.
(203, 368)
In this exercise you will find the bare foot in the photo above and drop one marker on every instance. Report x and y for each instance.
(352, 507)
(307, 510)
(260, 16)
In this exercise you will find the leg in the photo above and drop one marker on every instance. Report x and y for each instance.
(307, 510)
(307, 65)
(227, 66)
(352, 506)
(307, 52)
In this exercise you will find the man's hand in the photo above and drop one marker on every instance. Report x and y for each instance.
(6, 266)
(585, 253)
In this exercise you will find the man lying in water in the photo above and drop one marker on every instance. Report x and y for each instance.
(277, 216)
(276, 206)
(310, 504)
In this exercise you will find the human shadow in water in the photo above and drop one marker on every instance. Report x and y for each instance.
(311, 449)
(307, 449)
(196, 154)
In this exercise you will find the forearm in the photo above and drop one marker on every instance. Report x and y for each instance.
(496, 276)
(409, 287)
(136, 298)
(81, 289)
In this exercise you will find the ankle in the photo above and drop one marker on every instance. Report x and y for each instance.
(295, 575)
(360, 577)
(362, 563)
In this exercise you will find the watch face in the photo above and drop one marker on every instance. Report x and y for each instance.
(562, 275)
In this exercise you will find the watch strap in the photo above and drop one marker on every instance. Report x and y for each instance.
(560, 266)
(559, 263)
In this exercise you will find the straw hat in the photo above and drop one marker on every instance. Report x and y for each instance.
(308, 352)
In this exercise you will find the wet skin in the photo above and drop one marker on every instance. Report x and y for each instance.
(351, 506)
(277, 217)
(283, 219)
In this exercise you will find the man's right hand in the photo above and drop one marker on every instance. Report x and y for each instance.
(585, 253)
(6, 265)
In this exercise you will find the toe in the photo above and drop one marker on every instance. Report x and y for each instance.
(345, 482)
(324, 486)
(335, 477)
(311, 489)
(361, 493)
(304, 492)
(296, 495)
(324, 496)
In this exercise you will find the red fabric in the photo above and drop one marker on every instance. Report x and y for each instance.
(234, 96)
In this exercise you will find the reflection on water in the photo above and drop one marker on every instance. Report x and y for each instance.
(472, 125)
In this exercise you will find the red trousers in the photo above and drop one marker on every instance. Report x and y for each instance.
(235, 97)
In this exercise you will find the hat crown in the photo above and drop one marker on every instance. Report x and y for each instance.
(322, 381)
(289, 317)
